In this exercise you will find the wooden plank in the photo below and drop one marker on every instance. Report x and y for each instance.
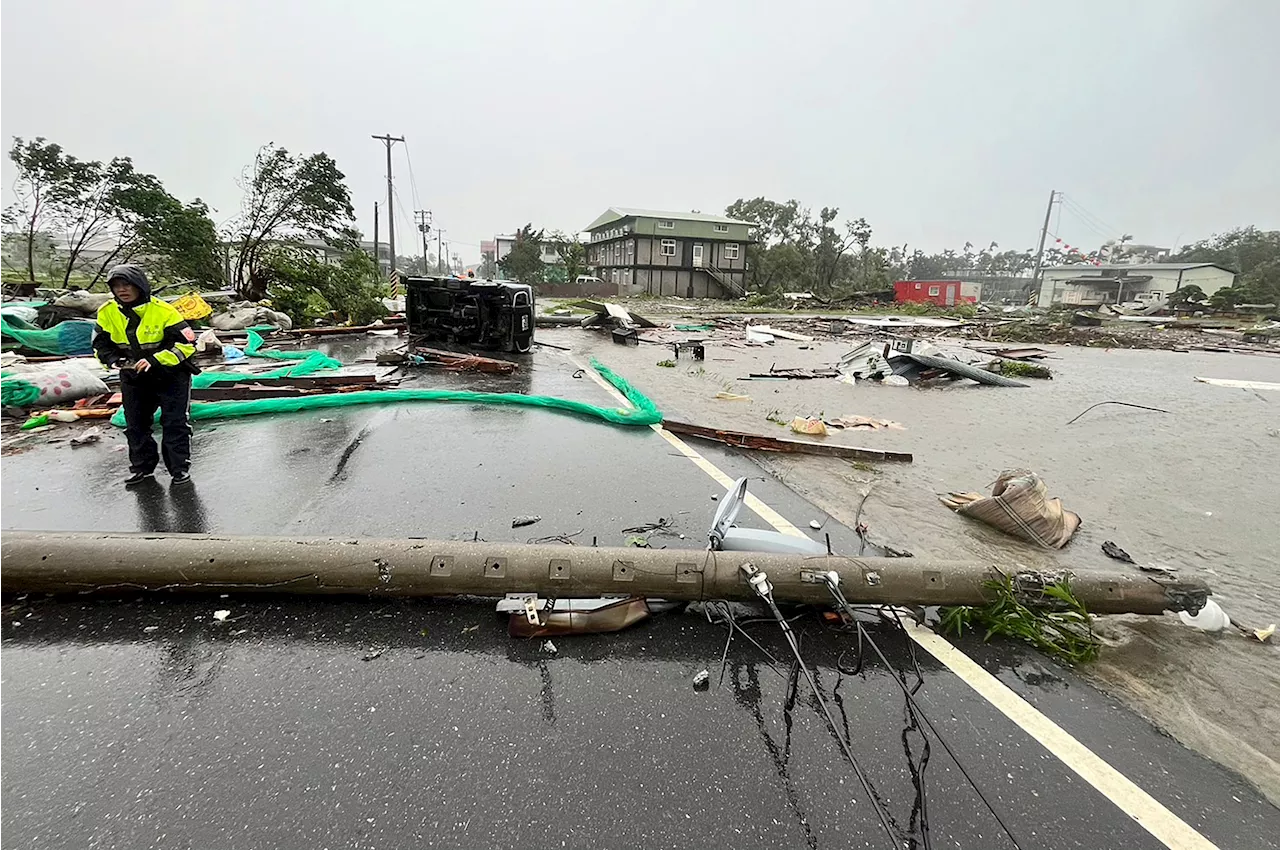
(466, 362)
(309, 382)
(743, 440)
(242, 393)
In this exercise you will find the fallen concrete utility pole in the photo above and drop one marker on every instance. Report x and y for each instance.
(80, 562)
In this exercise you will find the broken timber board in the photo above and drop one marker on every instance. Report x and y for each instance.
(240, 392)
(743, 440)
(392, 325)
(466, 362)
(303, 383)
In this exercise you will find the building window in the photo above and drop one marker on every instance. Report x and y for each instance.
(668, 247)
(667, 224)
(731, 250)
(722, 228)
(934, 291)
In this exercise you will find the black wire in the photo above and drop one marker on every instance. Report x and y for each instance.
(910, 695)
(831, 723)
(734, 628)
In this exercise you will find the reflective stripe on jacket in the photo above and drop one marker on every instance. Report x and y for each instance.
(153, 331)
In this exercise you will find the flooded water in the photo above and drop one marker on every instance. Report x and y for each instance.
(1194, 490)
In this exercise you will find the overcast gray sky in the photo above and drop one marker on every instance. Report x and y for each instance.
(939, 122)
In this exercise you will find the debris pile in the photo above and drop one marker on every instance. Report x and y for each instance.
(1019, 504)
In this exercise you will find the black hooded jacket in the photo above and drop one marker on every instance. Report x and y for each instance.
(177, 335)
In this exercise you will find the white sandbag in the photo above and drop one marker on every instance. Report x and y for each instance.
(87, 303)
(208, 341)
(245, 314)
(26, 314)
(61, 383)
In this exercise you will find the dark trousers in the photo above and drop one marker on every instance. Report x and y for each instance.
(168, 390)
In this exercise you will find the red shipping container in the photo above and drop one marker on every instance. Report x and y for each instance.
(944, 293)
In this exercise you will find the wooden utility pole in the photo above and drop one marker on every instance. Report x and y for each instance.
(439, 254)
(79, 562)
(1044, 231)
(391, 219)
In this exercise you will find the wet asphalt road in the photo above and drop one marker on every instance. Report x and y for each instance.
(374, 723)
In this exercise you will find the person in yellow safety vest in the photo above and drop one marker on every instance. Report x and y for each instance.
(152, 345)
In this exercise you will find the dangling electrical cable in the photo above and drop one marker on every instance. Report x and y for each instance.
(832, 582)
(760, 584)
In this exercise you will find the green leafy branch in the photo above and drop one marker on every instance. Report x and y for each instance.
(1064, 630)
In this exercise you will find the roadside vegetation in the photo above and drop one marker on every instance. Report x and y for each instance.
(293, 242)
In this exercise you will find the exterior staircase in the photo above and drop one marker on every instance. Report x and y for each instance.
(726, 283)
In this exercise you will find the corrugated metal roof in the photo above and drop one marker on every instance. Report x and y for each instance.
(615, 213)
(1136, 267)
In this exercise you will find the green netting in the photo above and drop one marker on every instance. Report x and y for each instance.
(643, 413)
(15, 392)
(254, 349)
(312, 361)
(72, 337)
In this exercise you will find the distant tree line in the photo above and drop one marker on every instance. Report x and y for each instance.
(798, 251)
(524, 261)
(105, 214)
(73, 219)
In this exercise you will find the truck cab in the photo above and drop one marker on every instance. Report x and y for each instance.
(493, 315)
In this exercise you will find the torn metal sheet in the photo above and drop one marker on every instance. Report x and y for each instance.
(780, 334)
(1242, 385)
(611, 615)
(958, 369)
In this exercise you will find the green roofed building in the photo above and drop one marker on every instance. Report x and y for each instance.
(691, 255)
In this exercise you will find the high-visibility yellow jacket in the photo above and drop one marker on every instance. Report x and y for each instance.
(152, 331)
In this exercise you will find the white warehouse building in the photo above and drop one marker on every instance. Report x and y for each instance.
(1145, 283)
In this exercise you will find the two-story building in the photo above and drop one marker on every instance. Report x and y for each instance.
(691, 255)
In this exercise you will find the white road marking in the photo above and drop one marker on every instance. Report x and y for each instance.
(1148, 812)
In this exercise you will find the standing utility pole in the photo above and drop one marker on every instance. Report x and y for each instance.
(377, 254)
(1044, 231)
(391, 219)
(424, 225)
(439, 254)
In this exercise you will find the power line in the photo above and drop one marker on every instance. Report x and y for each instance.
(413, 183)
(400, 204)
(1091, 225)
(1085, 212)
(1079, 210)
